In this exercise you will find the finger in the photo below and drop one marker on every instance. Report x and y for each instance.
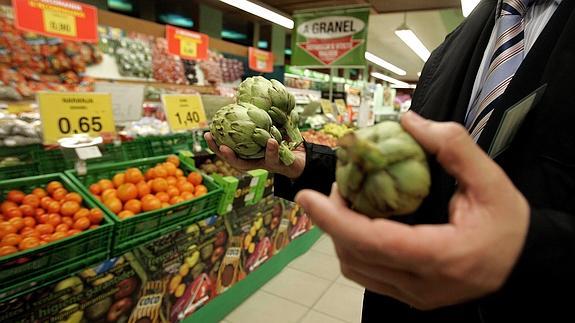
(272, 157)
(230, 156)
(212, 143)
(455, 150)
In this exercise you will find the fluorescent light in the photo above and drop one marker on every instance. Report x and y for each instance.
(385, 64)
(408, 86)
(411, 40)
(418, 74)
(261, 12)
(467, 6)
(388, 79)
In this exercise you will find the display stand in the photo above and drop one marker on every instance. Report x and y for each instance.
(225, 303)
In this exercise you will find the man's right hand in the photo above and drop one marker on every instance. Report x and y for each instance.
(270, 162)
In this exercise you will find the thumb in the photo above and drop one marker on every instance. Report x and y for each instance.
(455, 151)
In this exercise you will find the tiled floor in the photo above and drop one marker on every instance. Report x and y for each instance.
(310, 289)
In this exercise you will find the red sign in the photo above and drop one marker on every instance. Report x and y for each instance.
(57, 18)
(329, 50)
(187, 44)
(260, 60)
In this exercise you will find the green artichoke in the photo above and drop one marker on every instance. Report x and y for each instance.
(272, 97)
(246, 130)
(382, 171)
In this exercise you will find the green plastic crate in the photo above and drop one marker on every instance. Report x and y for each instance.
(169, 144)
(27, 167)
(52, 259)
(147, 226)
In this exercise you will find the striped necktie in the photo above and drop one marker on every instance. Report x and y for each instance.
(507, 56)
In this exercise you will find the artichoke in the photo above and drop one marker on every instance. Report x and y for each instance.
(246, 130)
(272, 97)
(382, 171)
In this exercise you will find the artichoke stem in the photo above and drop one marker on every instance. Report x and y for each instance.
(293, 134)
(286, 156)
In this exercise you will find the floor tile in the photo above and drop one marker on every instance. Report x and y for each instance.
(318, 264)
(317, 317)
(325, 246)
(341, 301)
(342, 280)
(263, 307)
(297, 286)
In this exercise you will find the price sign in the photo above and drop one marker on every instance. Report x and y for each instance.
(66, 114)
(57, 18)
(326, 106)
(184, 112)
(260, 60)
(341, 106)
(187, 44)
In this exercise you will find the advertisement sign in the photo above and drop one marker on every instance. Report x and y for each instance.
(334, 38)
(57, 18)
(260, 60)
(184, 112)
(187, 44)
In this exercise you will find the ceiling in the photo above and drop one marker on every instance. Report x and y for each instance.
(378, 6)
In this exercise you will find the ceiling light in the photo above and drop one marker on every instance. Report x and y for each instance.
(261, 12)
(467, 6)
(388, 79)
(385, 64)
(418, 74)
(411, 40)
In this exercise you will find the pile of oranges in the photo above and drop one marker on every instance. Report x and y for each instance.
(42, 216)
(132, 192)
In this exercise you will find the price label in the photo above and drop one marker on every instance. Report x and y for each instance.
(184, 112)
(188, 47)
(187, 44)
(326, 106)
(59, 23)
(66, 114)
(260, 60)
(341, 106)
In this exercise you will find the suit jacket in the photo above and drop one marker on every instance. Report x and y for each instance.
(540, 162)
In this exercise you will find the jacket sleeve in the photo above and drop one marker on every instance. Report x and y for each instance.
(318, 174)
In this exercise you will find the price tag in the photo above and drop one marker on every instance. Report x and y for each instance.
(188, 47)
(85, 153)
(326, 106)
(187, 44)
(66, 114)
(59, 23)
(341, 106)
(184, 112)
(260, 60)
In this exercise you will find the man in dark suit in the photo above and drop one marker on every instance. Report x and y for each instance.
(495, 239)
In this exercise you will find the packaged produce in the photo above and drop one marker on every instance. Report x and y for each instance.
(232, 69)
(15, 131)
(166, 68)
(134, 58)
(212, 69)
(382, 171)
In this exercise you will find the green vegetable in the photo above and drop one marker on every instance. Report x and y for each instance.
(382, 171)
(246, 130)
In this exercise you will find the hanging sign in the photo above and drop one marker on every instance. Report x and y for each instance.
(184, 112)
(66, 114)
(334, 38)
(261, 60)
(187, 44)
(57, 18)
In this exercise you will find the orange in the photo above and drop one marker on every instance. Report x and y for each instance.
(143, 189)
(53, 207)
(125, 214)
(195, 178)
(161, 171)
(173, 191)
(109, 193)
(32, 200)
(46, 237)
(83, 212)
(43, 218)
(179, 173)
(58, 235)
(150, 174)
(29, 232)
(185, 187)
(59, 194)
(40, 212)
(133, 175)
(174, 160)
(13, 213)
(200, 193)
(69, 208)
(159, 185)
(62, 227)
(45, 228)
(150, 183)
(67, 220)
(6, 228)
(7, 250)
(96, 216)
(170, 168)
(135, 206)
(27, 210)
(73, 232)
(172, 180)
(40, 192)
(127, 191)
(29, 243)
(15, 196)
(18, 223)
(73, 197)
(11, 239)
(82, 224)
(202, 189)
(7, 205)
(29, 222)
(95, 189)
(105, 184)
(165, 204)
(151, 204)
(147, 197)
(176, 200)
(54, 219)
(163, 197)
(53, 186)
(186, 196)
(119, 179)
(45, 202)
(114, 204)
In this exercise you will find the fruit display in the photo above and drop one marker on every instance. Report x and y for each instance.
(134, 57)
(35, 216)
(134, 191)
(272, 97)
(220, 167)
(166, 68)
(320, 138)
(16, 131)
(382, 171)
(211, 69)
(246, 129)
(232, 69)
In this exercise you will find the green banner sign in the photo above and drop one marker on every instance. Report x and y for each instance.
(334, 38)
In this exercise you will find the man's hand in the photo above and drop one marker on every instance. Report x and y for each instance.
(271, 162)
(430, 266)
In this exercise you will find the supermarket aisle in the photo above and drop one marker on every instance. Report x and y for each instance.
(310, 290)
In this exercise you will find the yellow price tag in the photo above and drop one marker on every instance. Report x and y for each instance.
(19, 108)
(188, 47)
(59, 23)
(340, 105)
(326, 106)
(66, 114)
(184, 112)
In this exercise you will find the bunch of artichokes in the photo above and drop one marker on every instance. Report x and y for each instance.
(382, 171)
(272, 97)
(246, 129)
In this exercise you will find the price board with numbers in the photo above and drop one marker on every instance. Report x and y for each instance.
(326, 106)
(187, 44)
(67, 114)
(341, 106)
(184, 112)
(260, 60)
(57, 18)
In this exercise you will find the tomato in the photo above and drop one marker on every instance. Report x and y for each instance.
(185, 187)
(150, 174)
(135, 206)
(109, 193)
(58, 235)
(94, 226)
(82, 224)
(174, 160)
(53, 186)
(39, 212)
(59, 194)
(18, 223)
(29, 222)
(45, 202)
(54, 219)
(96, 216)
(186, 196)
(15, 196)
(172, 181)
(53, 207)
(133, 175)
(27, 210)
(46, 237)
(73, 197)
(179, 173)
(29, 243)
(81, 213)
(195, 178)
(7, 250)
(125, 214)
(202, 189)
(11, 239)
(170, 168)
(151, 204)
(67, 220)
(176, 200)
(163, 197)
(13, 213)
(105, 184)
(95, 189)
(69, 208)
(7, 205)
(62, 227)
(173, 191)
(127, 191)
(119, 179)
(45, 228)
(43, 218)
(143, 189)
(73, 232)
(40, 192)
(159, 185)
(6, 228)
(114, 204)
(29, 232)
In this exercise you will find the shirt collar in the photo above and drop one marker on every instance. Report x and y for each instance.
(498, 11)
